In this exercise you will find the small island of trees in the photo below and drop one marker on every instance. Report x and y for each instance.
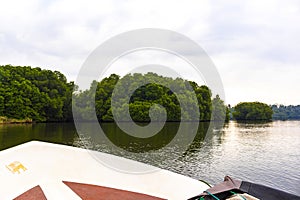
(252, 111)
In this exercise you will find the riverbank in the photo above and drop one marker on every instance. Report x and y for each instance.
(6, 120)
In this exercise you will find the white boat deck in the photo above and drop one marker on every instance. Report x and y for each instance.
(47, 165)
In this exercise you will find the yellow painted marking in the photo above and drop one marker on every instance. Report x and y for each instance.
(16, 166)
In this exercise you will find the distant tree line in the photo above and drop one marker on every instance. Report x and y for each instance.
(259, 111)
(45, 96)
(281, 112)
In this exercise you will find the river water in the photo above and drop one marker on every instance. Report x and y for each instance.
(264, 153)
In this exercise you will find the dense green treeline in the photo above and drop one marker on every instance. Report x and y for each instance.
(156, 94)
(281, 112)
(45, 96)
(33, 93)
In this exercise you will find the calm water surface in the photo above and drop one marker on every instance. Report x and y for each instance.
(265, 153)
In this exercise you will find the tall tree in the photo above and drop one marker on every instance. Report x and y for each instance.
(220, 111)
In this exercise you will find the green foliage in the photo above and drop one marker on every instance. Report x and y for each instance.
(252, 111)
(282, 112)
(156, 93)
(44, 95)
(5, 120)
(220, 111)
(41, 95)
(170, 94)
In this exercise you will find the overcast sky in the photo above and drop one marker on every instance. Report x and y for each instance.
(254, 44)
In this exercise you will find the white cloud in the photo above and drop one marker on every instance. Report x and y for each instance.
(248, 78)
(253, 43)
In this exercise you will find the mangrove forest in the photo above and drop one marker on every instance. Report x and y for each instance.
(39, 95)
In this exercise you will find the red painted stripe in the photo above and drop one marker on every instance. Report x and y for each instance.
(35, 193)
(95, 192)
